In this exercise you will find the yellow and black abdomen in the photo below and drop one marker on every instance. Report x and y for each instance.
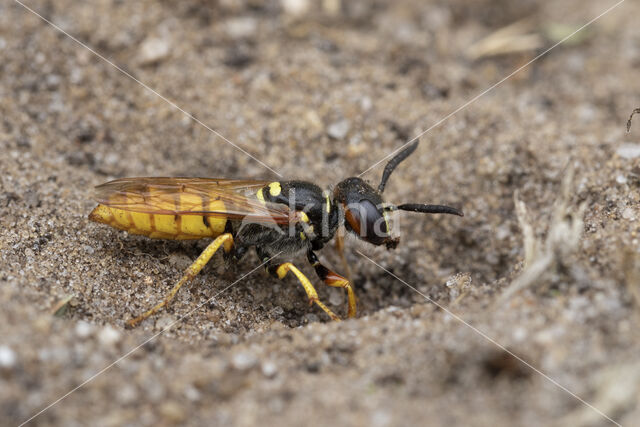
(164, 226)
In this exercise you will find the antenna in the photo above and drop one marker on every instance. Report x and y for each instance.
(394, 162)
(433, 209)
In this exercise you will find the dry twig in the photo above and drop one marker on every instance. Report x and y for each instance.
(563, 238)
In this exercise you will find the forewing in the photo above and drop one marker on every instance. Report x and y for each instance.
(192, 196)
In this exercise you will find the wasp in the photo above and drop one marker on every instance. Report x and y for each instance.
(280, 219)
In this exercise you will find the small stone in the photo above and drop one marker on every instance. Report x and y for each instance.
(108, 336)
(243, 27)
(339, 129)
(83, 329)
(52, 81)
(269, 369)
(112, 159)
(7, 357)
(519, 334)
(244, 361)
(192, 393)
(621, 179)
(628, 151)
(628, 213)
(153, 50)
(335, 298)
(76, 75)
(295, 7)
(366, 103)
(127, 394)
(503, 232)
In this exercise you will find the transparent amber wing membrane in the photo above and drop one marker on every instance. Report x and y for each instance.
(223, 198)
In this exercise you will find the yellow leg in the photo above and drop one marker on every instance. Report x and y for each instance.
(337, 281)
(331, 278)
(282, 271)
(224, 239)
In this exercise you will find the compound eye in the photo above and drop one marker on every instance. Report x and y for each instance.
(366, 220)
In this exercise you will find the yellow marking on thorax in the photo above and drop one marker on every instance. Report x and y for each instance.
(260, 196)
(275, 189)
(303, 216)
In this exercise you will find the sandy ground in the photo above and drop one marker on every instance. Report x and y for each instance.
(321, 92)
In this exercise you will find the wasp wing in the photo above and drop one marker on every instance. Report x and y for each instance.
(192, 196)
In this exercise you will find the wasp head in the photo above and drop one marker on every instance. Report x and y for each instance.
(366, 214)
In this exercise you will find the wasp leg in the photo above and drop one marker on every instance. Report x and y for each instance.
(331, 278)
(281, 270)
(340, 249)
(191, 272)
